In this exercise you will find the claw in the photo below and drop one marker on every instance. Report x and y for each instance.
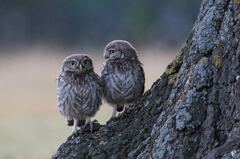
(91, 126)
(74, 135)
(88, 121)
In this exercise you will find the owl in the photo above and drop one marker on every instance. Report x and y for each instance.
(122, 75)
(79, 90)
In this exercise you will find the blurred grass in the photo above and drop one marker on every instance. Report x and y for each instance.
(30, 125)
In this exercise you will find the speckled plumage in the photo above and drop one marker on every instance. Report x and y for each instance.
(122, 75)
(79, 89)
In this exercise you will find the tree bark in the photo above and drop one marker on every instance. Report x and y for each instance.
(192, 111)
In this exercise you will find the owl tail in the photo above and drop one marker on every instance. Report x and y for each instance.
(120, 107)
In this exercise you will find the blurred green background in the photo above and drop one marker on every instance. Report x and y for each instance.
(35, 36)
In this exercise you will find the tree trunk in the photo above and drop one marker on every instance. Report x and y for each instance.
(192, 111)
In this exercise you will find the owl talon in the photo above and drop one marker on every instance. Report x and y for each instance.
(113, 118)
(91, 126)
(88, 121)
(75, 134)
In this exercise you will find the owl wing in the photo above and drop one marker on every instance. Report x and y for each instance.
(141, 78)
(104, 69)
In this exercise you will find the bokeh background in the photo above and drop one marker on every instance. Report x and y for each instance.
(35, 36)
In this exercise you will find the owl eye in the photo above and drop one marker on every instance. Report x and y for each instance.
(112, 51)
(72, 63)
(86, 62)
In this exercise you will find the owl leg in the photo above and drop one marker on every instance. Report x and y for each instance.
(120, 109)
(75, 125)
(88, 121)
(114, 111)
(117, 108)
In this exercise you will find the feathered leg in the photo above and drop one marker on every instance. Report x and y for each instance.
(117, 109)
(88, 121)
(75, 126)
(114, 111)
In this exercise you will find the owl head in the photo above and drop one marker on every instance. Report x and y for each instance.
(120, 49)
(77, 64)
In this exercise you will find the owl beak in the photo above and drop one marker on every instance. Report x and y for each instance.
(80, 68)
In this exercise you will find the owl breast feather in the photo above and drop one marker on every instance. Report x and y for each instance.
(78, 99)
(123, 83)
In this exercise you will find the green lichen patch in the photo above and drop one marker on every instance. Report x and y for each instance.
(217, 60)
(172, 78)
(173, 68)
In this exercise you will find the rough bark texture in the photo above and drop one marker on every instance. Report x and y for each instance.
(192, 111)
